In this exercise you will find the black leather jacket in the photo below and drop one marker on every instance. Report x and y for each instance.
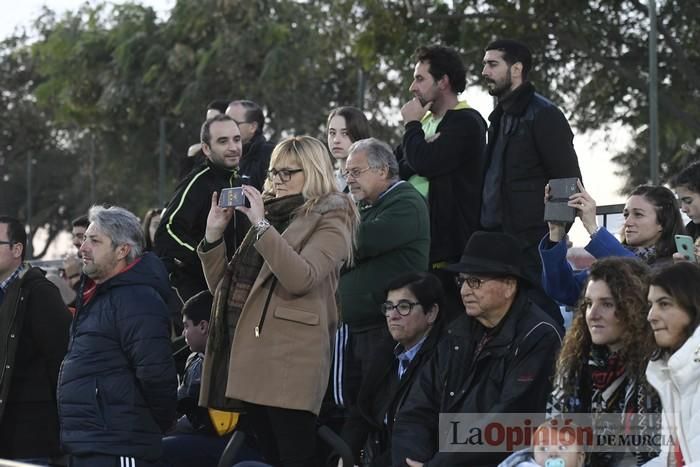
(512, 373)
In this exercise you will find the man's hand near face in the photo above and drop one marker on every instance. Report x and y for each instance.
(413, 110)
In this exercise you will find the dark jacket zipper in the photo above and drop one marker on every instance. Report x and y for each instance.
(12, 323)
(258, 328)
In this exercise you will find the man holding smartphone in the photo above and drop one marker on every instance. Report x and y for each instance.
(184, 219)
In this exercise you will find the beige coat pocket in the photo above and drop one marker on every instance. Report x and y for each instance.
(298, 316)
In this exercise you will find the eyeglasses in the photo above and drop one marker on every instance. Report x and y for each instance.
(284, 174)
(472, 281)
(240, 123)
(404, 307)
(5, 242)
(354, 173)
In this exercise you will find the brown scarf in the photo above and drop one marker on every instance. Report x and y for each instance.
(242, 271)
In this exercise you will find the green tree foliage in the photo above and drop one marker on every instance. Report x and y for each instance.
(85, 97)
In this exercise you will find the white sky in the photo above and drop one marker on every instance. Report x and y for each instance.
(593, 150)
(22, 12)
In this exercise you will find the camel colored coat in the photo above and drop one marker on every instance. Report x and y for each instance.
(287, 365)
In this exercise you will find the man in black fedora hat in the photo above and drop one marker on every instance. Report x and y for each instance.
(498, 358)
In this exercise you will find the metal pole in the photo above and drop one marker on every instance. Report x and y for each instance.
(653, 97)
(361, 82)
(30, 250)
(161, 163)
(93, 188)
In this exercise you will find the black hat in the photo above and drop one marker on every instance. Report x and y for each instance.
(491, 253)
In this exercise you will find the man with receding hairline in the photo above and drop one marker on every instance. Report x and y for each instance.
(256, 149)
(184, 219)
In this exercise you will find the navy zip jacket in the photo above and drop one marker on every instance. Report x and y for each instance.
(117, 389)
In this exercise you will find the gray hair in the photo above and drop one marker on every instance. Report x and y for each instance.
(379, 155)
(121, 227)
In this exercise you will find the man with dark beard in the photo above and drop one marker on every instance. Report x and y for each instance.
(530, 142)
(442, 155)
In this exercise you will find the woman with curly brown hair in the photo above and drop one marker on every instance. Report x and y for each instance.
(600, 369)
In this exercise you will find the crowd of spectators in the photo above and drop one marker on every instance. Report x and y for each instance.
(389, 296)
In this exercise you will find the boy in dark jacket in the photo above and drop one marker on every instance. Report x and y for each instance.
(194, 441)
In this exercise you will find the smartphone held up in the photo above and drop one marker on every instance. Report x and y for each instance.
(556, 208)
(231, 197)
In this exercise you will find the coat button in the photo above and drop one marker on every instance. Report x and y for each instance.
(452, 393)
(7, 367)
(456, 347)
(12, 336)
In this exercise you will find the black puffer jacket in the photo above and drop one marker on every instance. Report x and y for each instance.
(117, 389)
(512, 374)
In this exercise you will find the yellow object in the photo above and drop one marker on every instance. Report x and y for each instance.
(224, 422)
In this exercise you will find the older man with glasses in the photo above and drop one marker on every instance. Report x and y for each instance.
(393, 239)
(497, 359)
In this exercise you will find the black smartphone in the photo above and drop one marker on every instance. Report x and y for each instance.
(231, 197)
(556, 209)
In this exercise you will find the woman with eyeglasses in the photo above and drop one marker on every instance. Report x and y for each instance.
(600, 369)
(652, 218)
(275, 315)
(345, 126)
(413, 316)
(674, 370)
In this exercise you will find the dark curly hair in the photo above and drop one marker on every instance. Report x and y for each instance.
(444, 61)
(668, 216)
(689, 178)
(627, 279)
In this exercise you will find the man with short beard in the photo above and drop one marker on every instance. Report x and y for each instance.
(442, 155)
(184, 219)
(530, 142)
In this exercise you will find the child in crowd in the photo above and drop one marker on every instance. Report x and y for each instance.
(194, 440)
(552, 446)
(686, 184)
(345, 126)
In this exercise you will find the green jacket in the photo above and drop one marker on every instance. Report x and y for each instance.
(393, 239)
